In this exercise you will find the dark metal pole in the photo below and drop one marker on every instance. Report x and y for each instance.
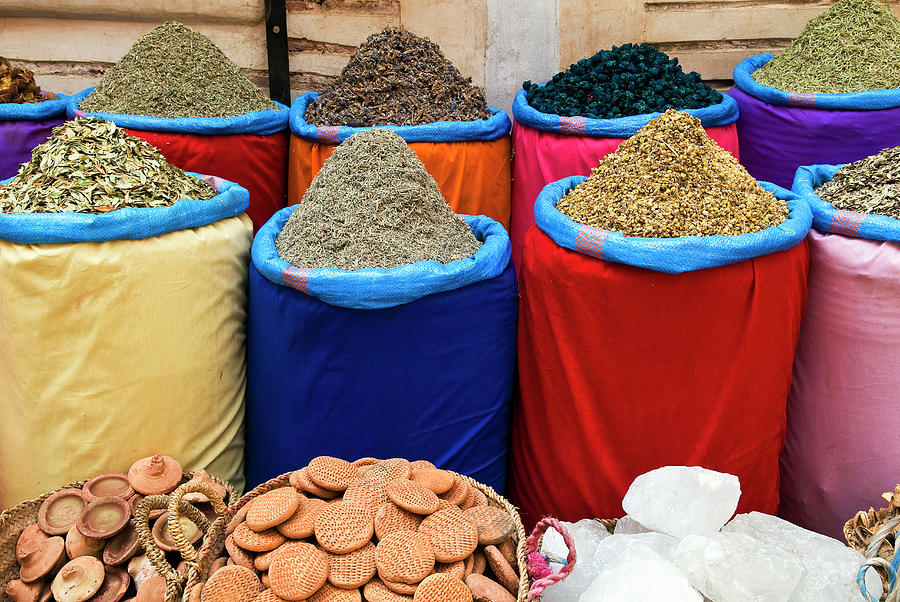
(277, 48)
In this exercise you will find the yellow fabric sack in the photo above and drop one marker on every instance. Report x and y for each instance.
(112, 351)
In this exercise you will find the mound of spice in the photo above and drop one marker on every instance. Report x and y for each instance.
(671, 179)
(853, 46)
(91, 166)
(871, 185)
(18, 86)
(174, 71)
(373, 205)
(632, 79)
(398, 78)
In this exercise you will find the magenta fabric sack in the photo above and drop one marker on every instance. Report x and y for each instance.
(779, 131)
(842, 447)
(23, 127)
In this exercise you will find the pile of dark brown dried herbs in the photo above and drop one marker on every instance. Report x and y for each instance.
(91, 166)
(18, 86)
(671, 179)
(871, 185)
(398, 78)
(174, 71)
(373, 205)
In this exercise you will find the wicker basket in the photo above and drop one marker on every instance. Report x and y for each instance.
(14, 520)
(874, 534)
(215, 539)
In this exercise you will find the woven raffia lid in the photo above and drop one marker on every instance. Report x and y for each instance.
(412, 496)
(502, 569)
(487, 589)
(300, 480)
(404, 556)
(329, 593)
(155, 475)
(354, 569)
(452, 535)
(458, 493)
(376, 591)
(388, 470)
(257, 541)
(442, 587)
(231, 584)
(493, 524)
(303, 522)
(438, 481)
(342, 528)
(78, 580)
(367, 493)
(272, 508)
(331, 473)
(297, 571)
(391, 518)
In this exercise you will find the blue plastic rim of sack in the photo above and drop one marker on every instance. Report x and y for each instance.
(429, 378)
(672, 255)
(130, 223)
(722, 113)
(827, 219)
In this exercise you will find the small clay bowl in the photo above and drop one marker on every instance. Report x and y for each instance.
(155, 475)
(136, 499)
(61, 510)
(121, 547)
(79, 545)
(104, 517)
(163, 538)
(115, 585)
(114, 484)
(20, 591)
(28, 534)
(78, 580)
(152, 590)
(40, 558)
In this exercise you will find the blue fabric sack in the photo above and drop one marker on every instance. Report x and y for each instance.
(827, 219)
(376, 288)
(131, 223)
(34, 111)
(849, 101)
(672, 255)
(621, 127)
(429, 378)
(496, 126)
(257, 122)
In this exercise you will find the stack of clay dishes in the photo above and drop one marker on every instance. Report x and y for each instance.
(81, 544)
(375, 530)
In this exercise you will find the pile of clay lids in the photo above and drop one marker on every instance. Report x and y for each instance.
(84, 545)
(379, 530)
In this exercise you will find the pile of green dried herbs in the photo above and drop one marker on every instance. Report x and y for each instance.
(373, 205)
(671, 179)
(853, 46)
(91, 166)
(871, 185)
(18, 86)
(398, 78)
(174, 71)
(632, 79)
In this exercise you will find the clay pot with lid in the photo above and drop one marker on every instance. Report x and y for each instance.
(114, 484)
(40, 558)
(121, 547)
(78, 580)
(104, 517)
(155, 475)
(79, 545)
(60, 511)
(20, 591)
(115, 585)
(163, 537)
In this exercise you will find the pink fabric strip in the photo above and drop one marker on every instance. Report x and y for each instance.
(215, 181)
(296, 278)
(572, 125)
(590, 241)
(801, 99)
(846, 222)
(329, 134)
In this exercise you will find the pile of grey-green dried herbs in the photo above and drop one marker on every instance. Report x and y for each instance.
(671, 179)
(853, 46)
(91, 166)
(398, 78)
(871, 185)
(174, 71)
(373, 205)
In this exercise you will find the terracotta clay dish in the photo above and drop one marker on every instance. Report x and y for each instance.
(303, 522)
(163, 537)
(232, 584)
(140, 569)
(507, 547)
(442, 587)
(454, 569)
(297, 571)
(60, 511)
(376, 591)
(330, 593)
(31, 533)
(121, 547)
(391, 517)
(263, 560)
(412, 496)
(78, 580)
(40, 558)
(348, 571)
(20, 591)
(114, 484)
(486, 589)
(155, 475)
(115, 584)
(267, 595)
(365, 462)
(458, 493)
(342, 528)
(504, 572)
(367, 493)
(300, 480)
(419, 464)
(104, 517)
(257, 541)
(404, 557)
(438, 481)
(452, 535)
(388, 470)
(152, 590)
(79, 545)
(407, 589)
(238, 555)
(272, 508)
(330, 473)
(493, 524)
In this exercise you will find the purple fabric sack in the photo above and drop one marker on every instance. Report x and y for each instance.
(777, 135)
(18, 138)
